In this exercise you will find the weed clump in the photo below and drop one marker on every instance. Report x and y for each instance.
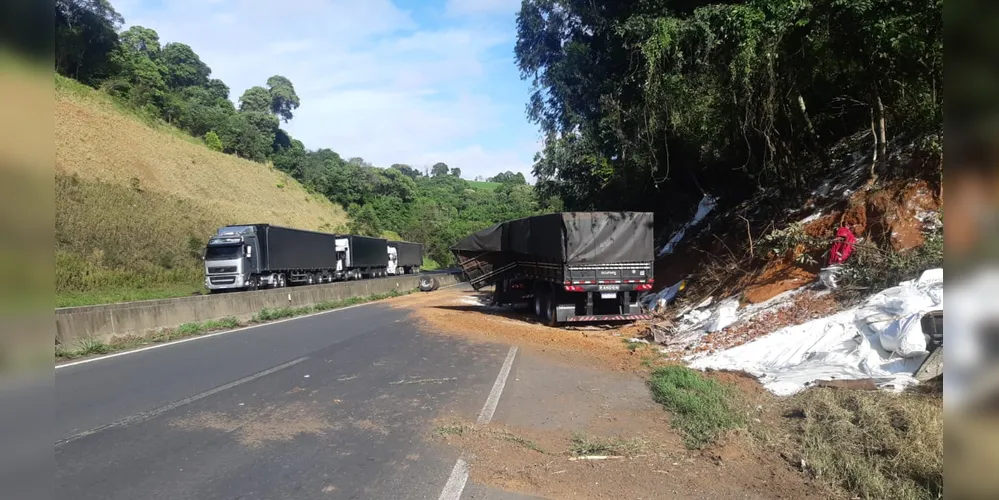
(702, 408)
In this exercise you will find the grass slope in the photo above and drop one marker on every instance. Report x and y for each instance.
(136, 200)
(485, 186)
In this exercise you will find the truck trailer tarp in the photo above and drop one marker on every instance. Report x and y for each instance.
(409, 254)
(287, 248)
(366, 251)
(568, 238)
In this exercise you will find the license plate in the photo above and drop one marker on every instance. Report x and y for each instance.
(609, 288)
(608, 295)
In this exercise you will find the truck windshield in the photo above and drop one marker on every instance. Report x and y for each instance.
(223, 252)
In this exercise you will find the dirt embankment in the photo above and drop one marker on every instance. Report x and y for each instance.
(731, 259)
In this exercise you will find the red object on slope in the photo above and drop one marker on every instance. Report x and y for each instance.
(843, 246)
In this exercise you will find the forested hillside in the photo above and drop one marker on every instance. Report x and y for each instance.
(156, 93)
(650, 104)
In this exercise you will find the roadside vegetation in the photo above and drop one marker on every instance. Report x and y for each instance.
(872, 444)
(702, 408)
(93, 347)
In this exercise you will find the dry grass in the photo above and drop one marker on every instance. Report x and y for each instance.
(871, 443)
(134, 200)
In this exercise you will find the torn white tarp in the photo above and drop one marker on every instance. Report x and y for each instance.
(844, 346)
(706, 205)
(724, 315)
(661, 299)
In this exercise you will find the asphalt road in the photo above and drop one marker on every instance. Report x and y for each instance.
(337, 405)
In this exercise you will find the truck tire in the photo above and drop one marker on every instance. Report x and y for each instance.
(551, 313)
(282, 281)
(437, 283)
(426, 284)
(539, 304)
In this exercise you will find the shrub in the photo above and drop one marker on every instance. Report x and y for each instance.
(213, 141)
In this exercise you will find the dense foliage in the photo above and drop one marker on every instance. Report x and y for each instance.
(170, 82)
(646, 104)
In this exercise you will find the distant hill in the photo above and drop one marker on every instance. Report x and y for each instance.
(136, 200)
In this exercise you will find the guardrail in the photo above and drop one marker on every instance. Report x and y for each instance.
(105, 321)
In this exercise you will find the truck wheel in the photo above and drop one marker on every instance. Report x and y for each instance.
(282, 281)
(437, 283)
(426, 284)
(551, 313)
(539, 304)
(312, 279)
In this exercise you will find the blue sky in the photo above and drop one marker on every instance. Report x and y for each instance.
(392, 81)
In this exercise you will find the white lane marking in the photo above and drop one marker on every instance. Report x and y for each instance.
(200, 337)
(146, 415)
(456, 483)
(494, 395)
(459, 474)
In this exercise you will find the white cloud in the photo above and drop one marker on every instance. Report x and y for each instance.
(373, 83)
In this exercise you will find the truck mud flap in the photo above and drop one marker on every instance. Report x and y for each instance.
(607, 317)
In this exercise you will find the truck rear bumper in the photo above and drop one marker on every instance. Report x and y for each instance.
(606, 317)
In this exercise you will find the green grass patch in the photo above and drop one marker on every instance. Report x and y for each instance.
(430, 264)
(452, 430)
(702, 408)
(126, 294)
(871, 443)
(522, 441)
(484, 185)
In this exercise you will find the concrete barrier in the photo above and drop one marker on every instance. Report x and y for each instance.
(105, 321)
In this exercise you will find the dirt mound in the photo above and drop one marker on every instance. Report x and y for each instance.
(893, 216)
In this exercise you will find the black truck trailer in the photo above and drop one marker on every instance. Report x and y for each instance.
(253, 255)
(361, 257)
(405, 257)
(571, 266)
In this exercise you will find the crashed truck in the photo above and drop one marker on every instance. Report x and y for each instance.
(571, 267)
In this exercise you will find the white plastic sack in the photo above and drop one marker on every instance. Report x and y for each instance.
(904, 336)
(657, 301)
(723, 316)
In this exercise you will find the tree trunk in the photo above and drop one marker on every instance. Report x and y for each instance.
(813, 136)
(882, 136)
(874, 157)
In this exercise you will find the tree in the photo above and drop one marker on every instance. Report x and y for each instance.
(183, 67)
(439, 169)
(363, 221)
(86, 33)
(255, 99)
(456, 172)
(140, 40)
(218, 89)
(407, 170)
(242, 136)
(283, 97)
(509, 178)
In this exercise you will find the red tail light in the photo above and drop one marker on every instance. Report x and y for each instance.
(644, 287)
